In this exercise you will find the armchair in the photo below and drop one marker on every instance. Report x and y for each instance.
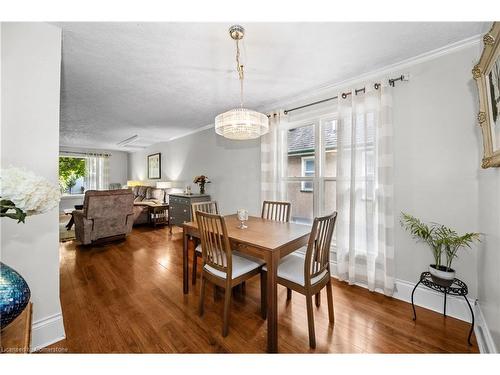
(105, 214)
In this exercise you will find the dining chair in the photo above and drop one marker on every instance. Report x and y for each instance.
(221, 266)
(211, 208)
(276, 210)
(310, 274)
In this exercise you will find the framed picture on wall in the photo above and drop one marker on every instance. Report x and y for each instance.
(154, 166)
(487, 76)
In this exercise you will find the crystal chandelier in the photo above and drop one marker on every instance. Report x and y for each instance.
(241, 123)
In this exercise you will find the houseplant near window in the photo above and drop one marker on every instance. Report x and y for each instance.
(22, 194)
(441, 240)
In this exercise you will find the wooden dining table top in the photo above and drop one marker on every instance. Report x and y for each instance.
(261, 233)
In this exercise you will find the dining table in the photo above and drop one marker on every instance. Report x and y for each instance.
(265, 239)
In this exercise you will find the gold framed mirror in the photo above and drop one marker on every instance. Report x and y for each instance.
(487, 76)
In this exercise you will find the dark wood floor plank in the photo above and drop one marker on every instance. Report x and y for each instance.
(126, 297)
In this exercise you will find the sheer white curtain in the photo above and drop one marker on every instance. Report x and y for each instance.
(270, 160)
(97, 176)
(365, 224)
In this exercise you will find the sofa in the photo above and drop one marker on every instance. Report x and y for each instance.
(105, 214)
(145, 196)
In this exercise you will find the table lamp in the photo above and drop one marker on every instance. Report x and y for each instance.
(164, 185)
(132, 183)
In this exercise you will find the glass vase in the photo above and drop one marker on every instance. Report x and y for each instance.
(14, 294)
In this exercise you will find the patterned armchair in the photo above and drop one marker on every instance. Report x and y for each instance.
(106, 213)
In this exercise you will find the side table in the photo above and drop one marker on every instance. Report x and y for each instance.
(159, 215)
(16, 337)
(457, 288)
(69, 211)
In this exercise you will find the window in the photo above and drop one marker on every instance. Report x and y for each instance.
(309, 167)
(300, 171)
(80, 173)
(302, 202)
(72, 171)
(307, 171)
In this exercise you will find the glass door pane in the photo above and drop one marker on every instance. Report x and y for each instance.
(302, 201)
(301, 145)
(329, 206)
(329, 136)
(329, 197)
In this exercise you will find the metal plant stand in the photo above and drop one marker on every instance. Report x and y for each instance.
(457, 288)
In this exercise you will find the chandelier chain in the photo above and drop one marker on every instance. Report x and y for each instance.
(239, 68)
(240, 123)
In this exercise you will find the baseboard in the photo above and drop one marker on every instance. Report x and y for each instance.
(483, 335)
(47, 331)
(456, 307)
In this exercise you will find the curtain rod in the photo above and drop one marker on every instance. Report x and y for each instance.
(84, 153)
(392, 82)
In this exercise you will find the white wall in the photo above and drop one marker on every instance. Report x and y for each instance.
(489, 255)
(118, 172)
(438, 149)
(233, 167)
(31, 60)
(437, 157)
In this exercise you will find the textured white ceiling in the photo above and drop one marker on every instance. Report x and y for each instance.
(161, 80)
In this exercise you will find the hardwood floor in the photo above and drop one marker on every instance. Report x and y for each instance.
(127, 297)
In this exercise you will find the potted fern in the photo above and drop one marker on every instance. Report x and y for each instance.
(442, 241)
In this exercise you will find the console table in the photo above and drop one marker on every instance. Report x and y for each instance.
(180, 206)
(457, 288)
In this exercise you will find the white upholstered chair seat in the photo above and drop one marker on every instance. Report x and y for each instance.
(291, 268)
(241, 265)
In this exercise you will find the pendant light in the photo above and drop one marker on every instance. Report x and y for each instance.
(241, 123)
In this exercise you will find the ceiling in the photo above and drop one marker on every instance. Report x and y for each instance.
(162, 80)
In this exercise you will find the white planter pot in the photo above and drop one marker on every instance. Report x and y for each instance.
(440, 276)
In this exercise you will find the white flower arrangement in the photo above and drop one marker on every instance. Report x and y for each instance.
(22, 193)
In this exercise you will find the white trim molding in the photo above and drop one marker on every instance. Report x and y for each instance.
(47, 331)
(197, 130)
(483, 334)
(387, 70)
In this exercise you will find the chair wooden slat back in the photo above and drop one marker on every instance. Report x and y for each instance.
(275, 210)
(318, 249)
(208, 207)
(214, 241)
